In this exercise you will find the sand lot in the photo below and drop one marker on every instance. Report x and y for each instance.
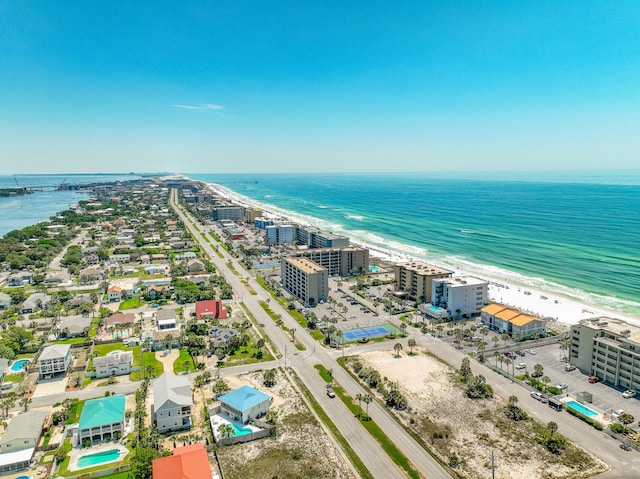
(471, 428)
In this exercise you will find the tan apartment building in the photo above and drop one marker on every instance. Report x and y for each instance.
(608, 348)
(338, 261)
(306, 280)
(416, 279)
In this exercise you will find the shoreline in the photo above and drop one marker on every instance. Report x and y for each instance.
(540, 302)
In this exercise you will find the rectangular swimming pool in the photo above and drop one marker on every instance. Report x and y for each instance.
(575, 405)
(98, 458)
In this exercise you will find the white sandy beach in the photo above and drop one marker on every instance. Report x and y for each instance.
(540, 303)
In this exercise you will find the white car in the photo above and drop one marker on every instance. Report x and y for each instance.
(562, 386)
(628, 394)
(521, 366)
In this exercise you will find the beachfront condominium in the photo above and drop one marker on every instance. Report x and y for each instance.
(304, 279)
(416, 279)
(280, 234)
(228, 212)
(609, 349)
(462, 296)
(338, 261)
(316, 238)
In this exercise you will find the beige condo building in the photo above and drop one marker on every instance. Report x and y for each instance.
(306, 280)
(338, 261)
(416, 279)
(608, 348)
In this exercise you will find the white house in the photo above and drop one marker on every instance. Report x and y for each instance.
(172, 402)
(54, 359)
(245, 404)
(19, 441)
(115, 364)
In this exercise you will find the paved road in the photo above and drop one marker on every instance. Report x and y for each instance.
(369, 451)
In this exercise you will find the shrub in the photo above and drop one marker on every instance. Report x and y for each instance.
(617, 428)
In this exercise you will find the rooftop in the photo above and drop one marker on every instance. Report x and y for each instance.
(244, 398)
(189, 462)
(102, 411)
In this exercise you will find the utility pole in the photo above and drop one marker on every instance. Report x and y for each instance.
(493, 466)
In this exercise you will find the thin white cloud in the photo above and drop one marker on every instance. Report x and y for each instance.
(204, 106)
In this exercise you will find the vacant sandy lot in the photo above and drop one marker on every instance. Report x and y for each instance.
(472, 429)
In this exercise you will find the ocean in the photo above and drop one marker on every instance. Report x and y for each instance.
(575, 234)
(16, 212)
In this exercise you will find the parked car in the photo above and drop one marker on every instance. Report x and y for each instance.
(562, 386)
(616, 414)
(520, 352)
(628, 394)
(569, 367)
(330, 393)
(510, 354)
(538, 396)
(521, 366)
(593, 379)
(625, 447)
(531, 351)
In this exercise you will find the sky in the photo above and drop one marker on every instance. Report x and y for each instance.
(332, 86)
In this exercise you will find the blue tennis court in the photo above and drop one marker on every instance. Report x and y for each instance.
(361, 333)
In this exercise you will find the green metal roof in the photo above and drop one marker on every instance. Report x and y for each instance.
(102, 411)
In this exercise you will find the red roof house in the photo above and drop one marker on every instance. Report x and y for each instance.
(210, 309)
(188, 462)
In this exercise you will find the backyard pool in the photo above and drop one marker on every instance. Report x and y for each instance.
(374, 269)
(241, 431)
(18, 365)
(98, 458)
(581, 409)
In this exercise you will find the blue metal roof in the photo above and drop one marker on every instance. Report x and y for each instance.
(244, 398)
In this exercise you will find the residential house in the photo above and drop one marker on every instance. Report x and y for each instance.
(115, 364)
(5, 301)
(90, 274)
(245, 404)
(166, 318)
(219, 337)
(35, 302)
(73, 326)
(157, 291)
(19, 441)
(186, 256)
(20, 279)
(120, 258)
(54, 360)
(156, 269)
(79, 300)
(114, 293)
(195, 266)
(211, 309)
(57, 278)
(92, 259)
(187, 462)
(172, 402)
(102, 419)
(4, 364)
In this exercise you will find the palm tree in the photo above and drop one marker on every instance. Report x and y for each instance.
(411, 343)
(552, 427)
(505, 338)
(367, 399)
(538, 370)
(512, 401)
(226, 430)
(397, 348)
(359, 397)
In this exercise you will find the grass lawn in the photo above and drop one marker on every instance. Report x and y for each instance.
(148, 359)
(179, 364)
(71, 341)
(122, 475)
(104, 349)
(131, 303)
(14, 378)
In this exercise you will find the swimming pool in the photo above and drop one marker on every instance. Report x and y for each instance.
(98, 458)
(241, 431)
(23, 477)
(581, 409)
(374, 268)
(18, 365)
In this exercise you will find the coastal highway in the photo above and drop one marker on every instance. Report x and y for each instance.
(302, 362)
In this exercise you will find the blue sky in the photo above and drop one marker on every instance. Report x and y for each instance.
(318, 86)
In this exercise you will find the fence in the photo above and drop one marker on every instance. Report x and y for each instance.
(267, 430)
(622, 439)
(102, 472)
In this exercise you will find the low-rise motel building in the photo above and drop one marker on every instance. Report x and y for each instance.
(504, 319)
(608, 348)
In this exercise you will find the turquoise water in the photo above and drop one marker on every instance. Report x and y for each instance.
(98, 458)
(581, 409)
(17, 366)
(241, 431)
(374, 268)
(574, 234)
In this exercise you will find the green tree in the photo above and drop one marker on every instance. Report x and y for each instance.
(226, 430)
(269, 378)
(625, 418)
(220, 387)
(552, 427)
(397, 348)
(411, 343)
(367, 398)
(538, 370)
(465, 370)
